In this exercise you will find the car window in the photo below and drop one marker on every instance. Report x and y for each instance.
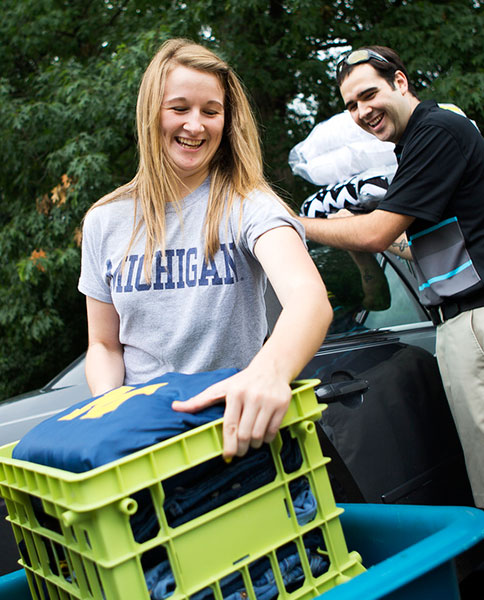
(404, 308)
(73, 374)
(365, 291)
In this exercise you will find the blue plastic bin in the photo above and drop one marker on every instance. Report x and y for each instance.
(14, 586)
(408, 550)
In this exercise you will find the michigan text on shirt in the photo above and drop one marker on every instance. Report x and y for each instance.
(174, 269)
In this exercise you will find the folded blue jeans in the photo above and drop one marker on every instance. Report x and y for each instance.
(161, 583)
(196, 491)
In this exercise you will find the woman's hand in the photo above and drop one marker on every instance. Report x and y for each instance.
(255, 405)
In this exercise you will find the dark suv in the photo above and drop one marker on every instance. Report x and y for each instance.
(387, 428)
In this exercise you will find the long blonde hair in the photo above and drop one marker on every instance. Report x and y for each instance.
(236, 168)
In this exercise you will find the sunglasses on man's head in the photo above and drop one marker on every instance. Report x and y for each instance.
(359, 56)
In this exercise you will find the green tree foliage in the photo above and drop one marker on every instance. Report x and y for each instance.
(69, 75)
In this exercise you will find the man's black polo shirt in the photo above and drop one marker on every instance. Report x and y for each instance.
(440, 178)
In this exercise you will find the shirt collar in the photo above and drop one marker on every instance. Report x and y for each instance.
(418, 114)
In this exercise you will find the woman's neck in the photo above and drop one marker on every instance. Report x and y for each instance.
(189, 184)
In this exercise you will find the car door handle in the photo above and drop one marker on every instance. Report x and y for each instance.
(332, 392)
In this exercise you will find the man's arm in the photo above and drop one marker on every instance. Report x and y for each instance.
(401, 248)
(372, 232)
(376, 293)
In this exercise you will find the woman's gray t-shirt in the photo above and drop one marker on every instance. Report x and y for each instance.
(192, 316)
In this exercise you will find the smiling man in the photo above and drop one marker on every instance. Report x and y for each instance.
(436, 199)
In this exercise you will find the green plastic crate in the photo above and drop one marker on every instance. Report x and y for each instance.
(87, 549)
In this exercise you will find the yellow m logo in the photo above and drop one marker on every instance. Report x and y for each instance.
(110, 401)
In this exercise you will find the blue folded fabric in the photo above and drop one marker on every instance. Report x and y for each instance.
(265, 587)
(161, 582)
(196, 491)
(99, 430)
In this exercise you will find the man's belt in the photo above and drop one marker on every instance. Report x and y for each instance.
(451, 308)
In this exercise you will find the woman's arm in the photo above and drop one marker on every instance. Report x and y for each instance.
(104, 359)
(257, 398)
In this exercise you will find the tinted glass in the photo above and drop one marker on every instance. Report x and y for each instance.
(365, 291)
(403, 310)
(73, 374)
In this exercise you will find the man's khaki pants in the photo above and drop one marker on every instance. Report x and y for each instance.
(460, 354)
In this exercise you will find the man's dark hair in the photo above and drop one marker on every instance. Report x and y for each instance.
(386, 70)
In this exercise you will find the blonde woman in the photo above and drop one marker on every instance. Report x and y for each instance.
(174, 263)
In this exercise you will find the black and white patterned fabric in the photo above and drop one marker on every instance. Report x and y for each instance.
(359, 194)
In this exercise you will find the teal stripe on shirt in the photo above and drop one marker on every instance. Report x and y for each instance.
(445, 276)
(430, 229)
